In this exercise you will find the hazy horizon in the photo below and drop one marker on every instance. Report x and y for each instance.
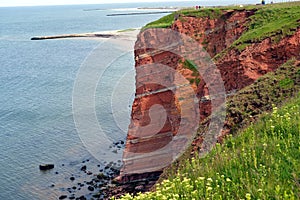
(17, 3)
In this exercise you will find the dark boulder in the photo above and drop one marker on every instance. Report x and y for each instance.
(46, 166)
(91, 188)
(63, 197)
(83, 168)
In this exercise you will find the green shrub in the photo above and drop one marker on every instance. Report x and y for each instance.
(262, 162)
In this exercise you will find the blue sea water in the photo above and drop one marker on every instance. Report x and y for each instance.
(36, 84)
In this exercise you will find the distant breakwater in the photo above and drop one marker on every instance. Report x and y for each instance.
(73, 36)
(140, 13)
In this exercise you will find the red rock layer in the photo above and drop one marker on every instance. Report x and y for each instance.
(240, 69)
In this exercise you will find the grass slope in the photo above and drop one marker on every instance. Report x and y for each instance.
(262, 162)
(271, 21)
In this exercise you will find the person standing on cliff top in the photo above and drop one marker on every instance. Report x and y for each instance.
(176, 16)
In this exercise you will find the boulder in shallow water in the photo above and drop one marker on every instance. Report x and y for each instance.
(83, 168)
(91, 188)
(46, 166)
(63, 197)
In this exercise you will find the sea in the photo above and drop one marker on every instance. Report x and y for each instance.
(37, 80)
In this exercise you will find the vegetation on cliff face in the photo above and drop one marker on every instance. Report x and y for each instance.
(262, 162)
(272, 88)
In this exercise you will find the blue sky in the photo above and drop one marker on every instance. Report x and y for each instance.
(63, 2)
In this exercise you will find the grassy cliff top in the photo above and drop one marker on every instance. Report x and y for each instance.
(275, 21)
(272, 20)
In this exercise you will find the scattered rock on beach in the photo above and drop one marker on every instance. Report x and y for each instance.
(83, 168)
(89, 173)
(81, 198)
(46, 166)
(101, 176)
(115, 151)
(91, 188)
(97, 186)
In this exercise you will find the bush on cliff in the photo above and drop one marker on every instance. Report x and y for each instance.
(262, 162)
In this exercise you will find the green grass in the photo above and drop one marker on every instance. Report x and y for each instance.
(168, 20)
(274, 22)
(262, 162)
(191, 66)
(188, 64)
(211, 13)
(163, 22)
(127, 30)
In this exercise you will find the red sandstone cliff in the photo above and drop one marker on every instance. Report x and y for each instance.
(151, 131)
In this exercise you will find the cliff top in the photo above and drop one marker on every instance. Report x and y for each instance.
(273, 20)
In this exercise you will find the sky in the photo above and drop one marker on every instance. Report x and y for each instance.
(4, 3)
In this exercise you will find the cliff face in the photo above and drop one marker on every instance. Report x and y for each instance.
(257, 60)
(154, 127)
(214, 34)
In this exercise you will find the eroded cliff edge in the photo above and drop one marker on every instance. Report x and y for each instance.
(239, 67)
